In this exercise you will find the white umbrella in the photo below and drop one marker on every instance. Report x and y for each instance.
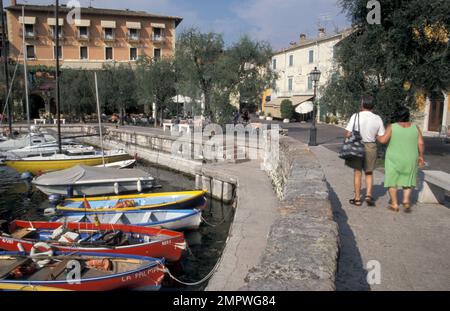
(305, 107)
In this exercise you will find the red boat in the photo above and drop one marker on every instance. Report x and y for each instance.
(91, 237)
(80, 272)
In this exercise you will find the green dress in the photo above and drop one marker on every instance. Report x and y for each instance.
(401, 157)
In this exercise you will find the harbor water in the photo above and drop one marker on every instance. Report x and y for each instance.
(20, 200)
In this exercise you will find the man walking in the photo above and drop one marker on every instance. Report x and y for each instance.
(370, 126)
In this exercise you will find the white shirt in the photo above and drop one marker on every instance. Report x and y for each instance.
(371, 126)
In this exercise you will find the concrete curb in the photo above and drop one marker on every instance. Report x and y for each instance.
(302, 248)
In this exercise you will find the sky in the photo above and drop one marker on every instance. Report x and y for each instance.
(277, 21)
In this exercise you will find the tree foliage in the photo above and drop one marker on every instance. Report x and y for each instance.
(286, 109)
(405, 55)
(77, 92)
(156, 83)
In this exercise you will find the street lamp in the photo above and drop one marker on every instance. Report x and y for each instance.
(315, 77)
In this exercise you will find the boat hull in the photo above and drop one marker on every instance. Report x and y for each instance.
(36, 166)
(95, 189)
(169, 246)
(188, 199)
(148, 276)
(178, 220)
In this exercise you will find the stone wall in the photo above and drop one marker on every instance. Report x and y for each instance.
(302, 247)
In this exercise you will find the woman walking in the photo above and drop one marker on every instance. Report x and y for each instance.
(404, 154)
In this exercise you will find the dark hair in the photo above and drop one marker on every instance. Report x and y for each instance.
(367, 102)
(401, 114)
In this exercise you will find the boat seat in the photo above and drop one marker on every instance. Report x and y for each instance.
(57, 270)
(146, 217)
(22, 233)
(116, 218)
(4, 271)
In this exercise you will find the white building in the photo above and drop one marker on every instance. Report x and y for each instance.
(293, 66)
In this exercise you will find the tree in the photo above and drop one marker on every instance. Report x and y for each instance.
(206, 67)
(286, 109)
(197, 57)
(156, 83)
(77, 92)
(117, 87)
(407, 54)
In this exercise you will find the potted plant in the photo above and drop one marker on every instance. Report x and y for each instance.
(262, 115)
(269, 117)
(287, 110)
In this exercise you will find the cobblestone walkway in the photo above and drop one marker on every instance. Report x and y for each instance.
(413, 249)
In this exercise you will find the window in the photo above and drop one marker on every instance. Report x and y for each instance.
(29, 30)
(108, 34)
(133, 53)
(310, 83)
(59, 52)
(157, 54)
(274, 65)
(291, 60)
(290, 84)
(59, 31)
(83, 32)
(157, 34)
(133, 34)
(30, 52)
(108, 53)
(83, 52)
(311, 56)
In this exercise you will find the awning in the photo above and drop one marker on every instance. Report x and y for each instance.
(108, 24)
(51, 21)
(82, 22)
(28, 20)
(155, 25)
(305, 107)
(133, 25)
(296, 100)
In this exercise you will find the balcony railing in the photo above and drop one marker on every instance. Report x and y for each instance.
(83, 36)
(158, 38)
(29, 34)
(52, 34)
(133, 38)
(109, 37)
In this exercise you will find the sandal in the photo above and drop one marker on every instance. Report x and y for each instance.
(394, 209)
(407, 208)
(370, 201)
(355, 202)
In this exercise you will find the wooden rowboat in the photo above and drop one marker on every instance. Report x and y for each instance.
(168, 219)
(81, 272)
(135, 202)
(102, 238)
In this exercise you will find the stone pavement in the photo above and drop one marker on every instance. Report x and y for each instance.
(413, 249)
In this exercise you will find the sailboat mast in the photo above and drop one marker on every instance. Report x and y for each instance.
(5, 48)
(58, 112)
(99, 119)
(25, 71)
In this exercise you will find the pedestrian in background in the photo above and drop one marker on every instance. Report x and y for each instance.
(404, 154)
(369, 125)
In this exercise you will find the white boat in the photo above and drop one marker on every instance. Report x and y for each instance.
(189, 219)
(45, 149)
(26, 140)
(82, 180)
(120, 164)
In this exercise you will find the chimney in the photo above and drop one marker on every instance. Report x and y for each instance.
(321, 32)
(302, 38)
(13, 2)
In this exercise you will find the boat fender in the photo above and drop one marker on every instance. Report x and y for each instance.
(182, 245)
(139, 185)
(69, 191)
(116, 188)
(48, 253)
(20, 248)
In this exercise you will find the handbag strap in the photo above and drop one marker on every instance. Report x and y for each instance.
(354, 123)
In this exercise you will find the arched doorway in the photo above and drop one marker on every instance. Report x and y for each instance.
(37, 106)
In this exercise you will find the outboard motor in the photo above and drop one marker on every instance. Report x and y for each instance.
(26, 176)
(55, 199)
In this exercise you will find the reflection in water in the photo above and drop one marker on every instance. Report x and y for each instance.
(20, 200)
